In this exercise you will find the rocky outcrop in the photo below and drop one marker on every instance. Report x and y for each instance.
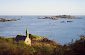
(5, 20)
(60, 16)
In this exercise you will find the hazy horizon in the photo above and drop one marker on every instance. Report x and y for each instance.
(42, 7)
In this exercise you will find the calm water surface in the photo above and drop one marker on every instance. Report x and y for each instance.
(62, 33)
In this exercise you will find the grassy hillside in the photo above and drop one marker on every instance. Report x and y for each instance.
(41, 46)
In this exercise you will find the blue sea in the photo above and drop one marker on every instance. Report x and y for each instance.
(62, 33)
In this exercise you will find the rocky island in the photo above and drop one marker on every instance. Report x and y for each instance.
(5, 20)
(60, 16)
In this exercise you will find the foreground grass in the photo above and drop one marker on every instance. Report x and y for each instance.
(41, 46)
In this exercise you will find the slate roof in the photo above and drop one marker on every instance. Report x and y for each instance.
(19, 37)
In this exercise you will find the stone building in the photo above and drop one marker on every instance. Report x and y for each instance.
(26, 38)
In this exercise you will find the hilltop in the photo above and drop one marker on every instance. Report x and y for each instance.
(8, 46)
(41, 46)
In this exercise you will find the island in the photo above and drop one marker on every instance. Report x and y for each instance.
(60, 16)
(5, 20)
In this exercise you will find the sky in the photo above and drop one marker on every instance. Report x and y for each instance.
(42, 7)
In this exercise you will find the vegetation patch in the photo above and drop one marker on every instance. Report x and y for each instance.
(41, 46)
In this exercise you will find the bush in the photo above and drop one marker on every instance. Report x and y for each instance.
(33, 36)
(78, 47)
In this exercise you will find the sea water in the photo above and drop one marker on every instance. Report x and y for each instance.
(62, 33)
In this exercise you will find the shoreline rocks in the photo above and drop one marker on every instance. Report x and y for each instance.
(65, 21)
